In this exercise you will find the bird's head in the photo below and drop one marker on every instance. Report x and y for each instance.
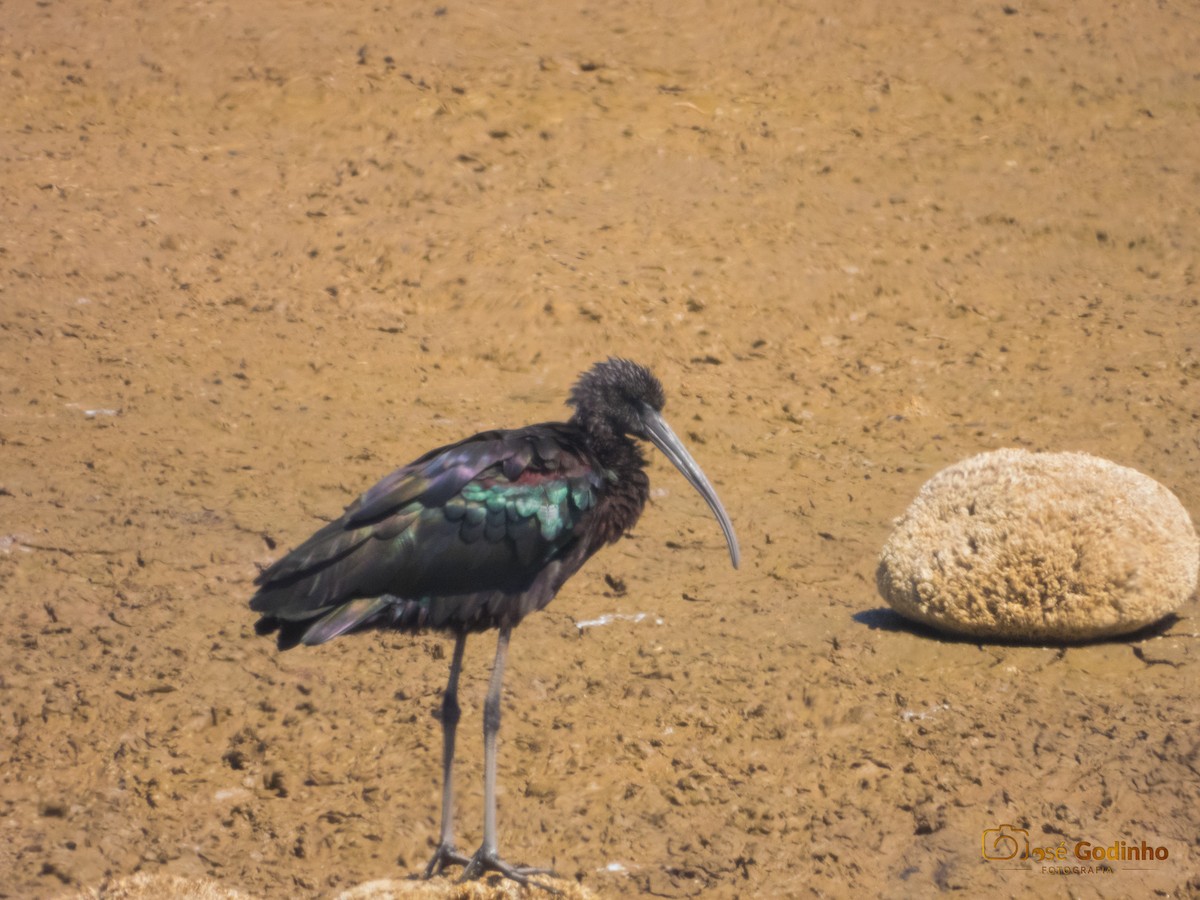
(620, 397)
(612, 398)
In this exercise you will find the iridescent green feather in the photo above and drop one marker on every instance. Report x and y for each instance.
(501, 507)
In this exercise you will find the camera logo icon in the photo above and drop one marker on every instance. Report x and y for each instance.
(1005, 842)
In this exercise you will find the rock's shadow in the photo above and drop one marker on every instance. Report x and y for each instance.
(884, 619)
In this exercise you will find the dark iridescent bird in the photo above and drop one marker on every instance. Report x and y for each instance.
(477, 535)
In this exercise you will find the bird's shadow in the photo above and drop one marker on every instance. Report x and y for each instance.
(884, 619)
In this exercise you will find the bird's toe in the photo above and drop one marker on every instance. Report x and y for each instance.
(488, 861)
(444, 855)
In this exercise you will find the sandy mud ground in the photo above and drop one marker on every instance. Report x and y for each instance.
(256, 255)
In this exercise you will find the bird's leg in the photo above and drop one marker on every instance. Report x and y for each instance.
(446, 853)
(486, 858)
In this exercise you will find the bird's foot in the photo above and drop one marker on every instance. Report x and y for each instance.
(487, 861)
(444, 855)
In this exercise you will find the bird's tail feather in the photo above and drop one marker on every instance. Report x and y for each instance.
(345, 618)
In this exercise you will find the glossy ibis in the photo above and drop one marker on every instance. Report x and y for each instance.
(477, 535)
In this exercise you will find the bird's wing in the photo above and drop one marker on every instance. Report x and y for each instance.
(483, 516)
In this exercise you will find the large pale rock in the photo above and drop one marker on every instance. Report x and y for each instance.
(1040, 546)
(144, 886)
(147, 886)
(488, 888)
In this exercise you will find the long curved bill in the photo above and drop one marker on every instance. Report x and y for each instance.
(661, 435)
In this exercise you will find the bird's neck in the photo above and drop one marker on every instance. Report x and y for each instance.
(627, 487)
(615, 452)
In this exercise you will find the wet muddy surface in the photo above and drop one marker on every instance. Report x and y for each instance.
(255, 257)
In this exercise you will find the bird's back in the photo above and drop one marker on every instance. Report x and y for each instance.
(473, 535)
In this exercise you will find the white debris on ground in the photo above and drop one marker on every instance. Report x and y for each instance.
(609, 618)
